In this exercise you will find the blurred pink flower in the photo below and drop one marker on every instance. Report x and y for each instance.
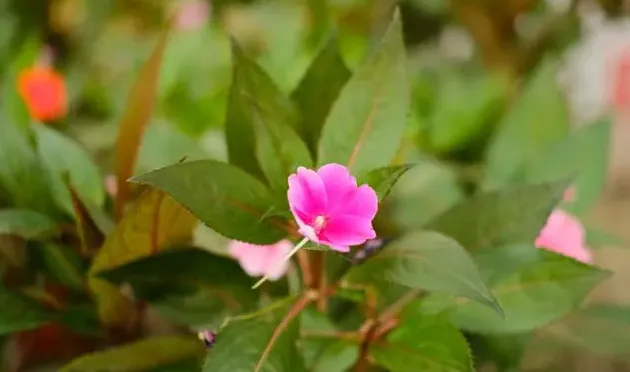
(569, 194)
(329, 207)
(564, 234)
(262, 260)
(110, 185)
(193, 15)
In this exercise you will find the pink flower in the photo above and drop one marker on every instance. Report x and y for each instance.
(564, 234)
(259, 260)
(569, 194)
(329, 207)
(193, 15)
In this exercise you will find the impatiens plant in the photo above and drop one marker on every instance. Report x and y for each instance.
(344, 238)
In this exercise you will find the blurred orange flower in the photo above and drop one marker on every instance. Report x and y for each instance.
(44, 92)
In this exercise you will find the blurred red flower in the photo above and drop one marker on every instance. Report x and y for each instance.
(44, 92)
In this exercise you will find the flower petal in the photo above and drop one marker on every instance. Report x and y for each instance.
(361, 202)
(306, 194)
(338, 182)
(564, 234)
(276, 266)
(346, 230)
(251, 257)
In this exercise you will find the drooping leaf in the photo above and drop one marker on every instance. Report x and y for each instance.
(134, 120)
(264, 115)
(383, 179)
(21, 174)
(139, 356)
(224, 197)
(429, 261)
(318, 90)
(601, 328)
(367, 121)
(583, 153)
(233, 352)
(532, 295)
(154, 222)
(514, 214)
(19, 313)
(210, 287)
(423, 344)
(65, 158)
(26, 224)
(537, 119)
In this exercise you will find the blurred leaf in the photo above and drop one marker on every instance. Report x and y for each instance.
(261, 119)
(21, 175)
(26, 224)
(240, 204)
(600, 328)
(13, 106)
(596, 238)
(91, 224)
(583, 152)
(464, 110)
(258, 330)
(337, 356)
(135, 119)
(532, 295)
(514, 214)
(61, 156)
(138, 356)
(163, 144)
(217, 284)
(429, 261)
(505, 352)
(152, 224)
(536, 120)
(423, 344)
(19, 313)
(367, 121)
(422, 193)
(318, 90)
(65, 265)
(383, 179)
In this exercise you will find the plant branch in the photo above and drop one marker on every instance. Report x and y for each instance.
(305, 268)
(339, 335)
(398, 305)
(295, 310)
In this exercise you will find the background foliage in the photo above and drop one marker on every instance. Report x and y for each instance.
(469, 154)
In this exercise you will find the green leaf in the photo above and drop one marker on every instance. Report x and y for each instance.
(153, 223)
(514, 214)
(20, 313)
(65, 265)
(134, 120)
(429, 261)
(243, 341)
(367, 121)
(210, 287)
(337, 356)
(505, 352)
(266, 116)
(463, 110)
(21, 174)
(532, 295)
(240, 205)
(62, 156)
(601, 328)
(424, 344)
(535, 122)
(26, 224)
(596, 238)
(383, 179)
(421, 194)
(318, 90)
(138, 356)
(583, 152)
